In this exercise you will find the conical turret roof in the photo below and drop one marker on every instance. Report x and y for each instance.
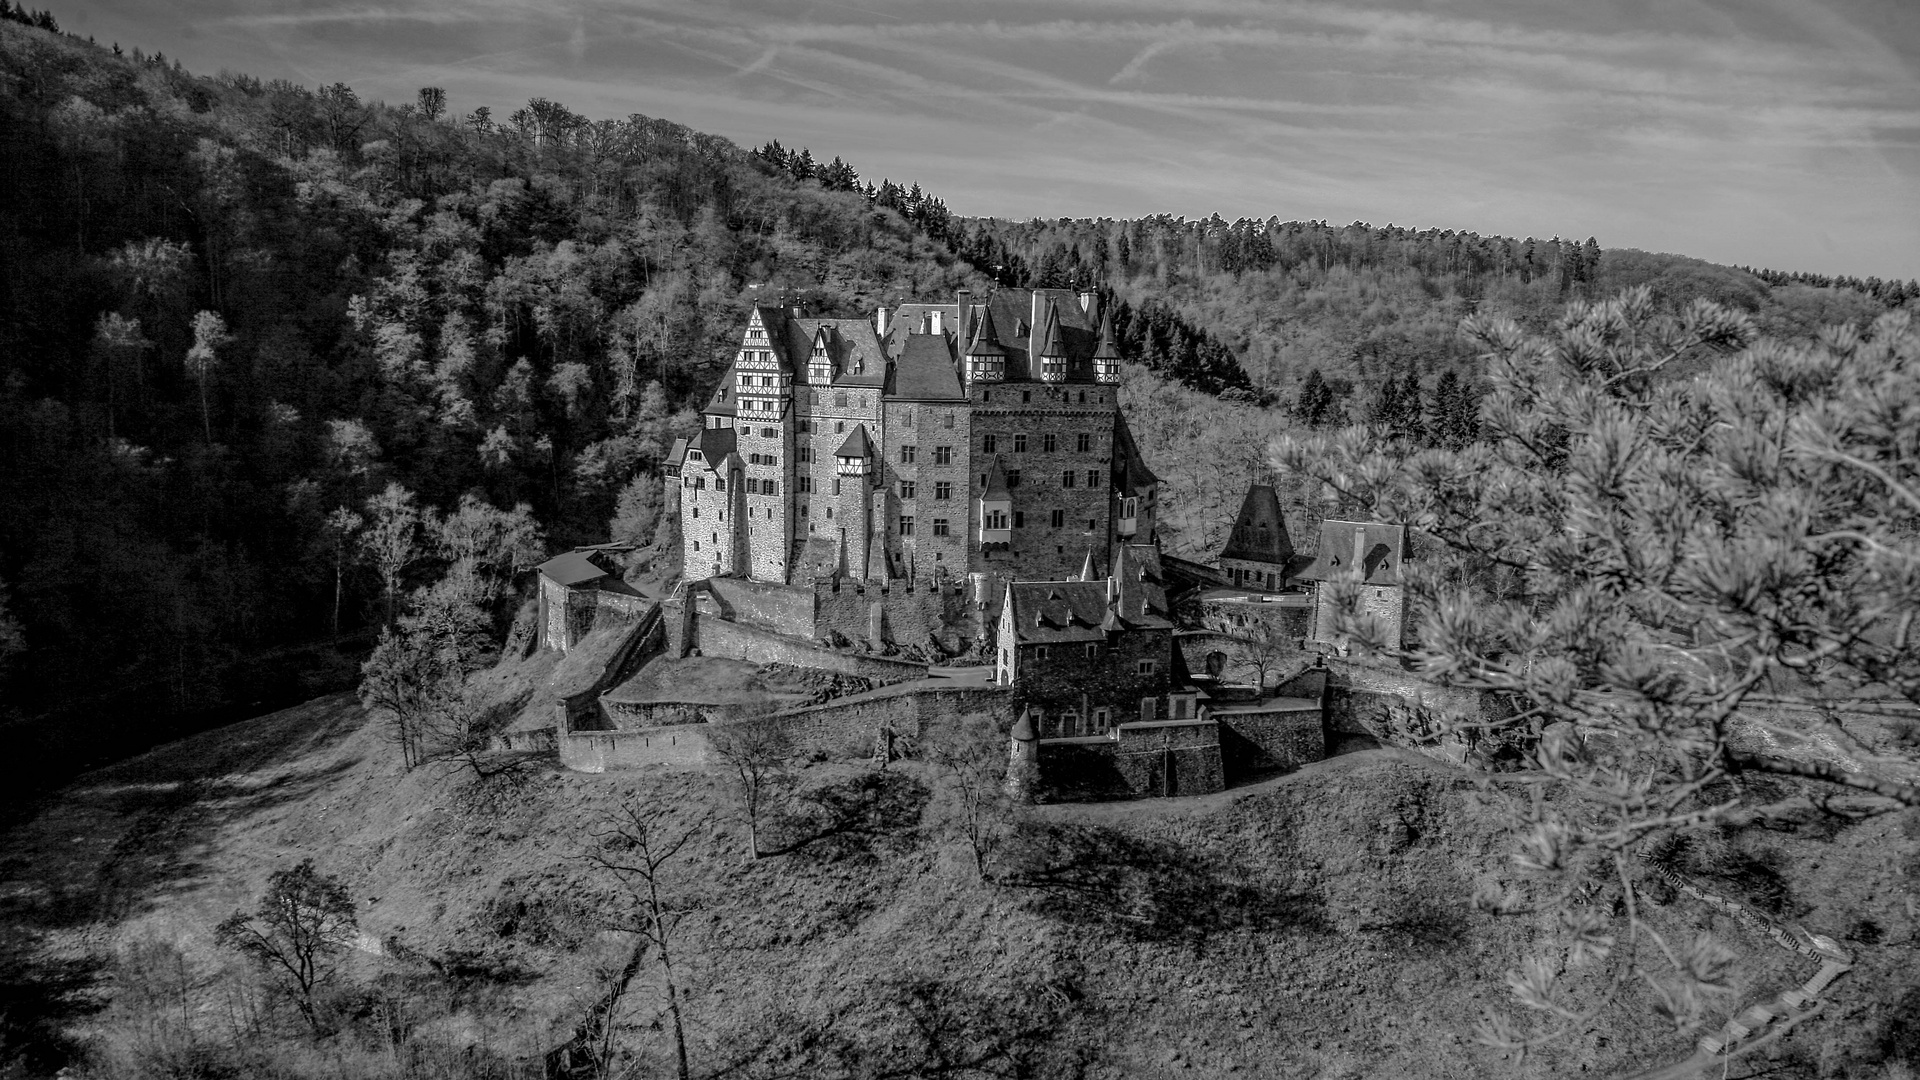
(986, 340)
(857, 444)
(1107, 349)
(1052, 346)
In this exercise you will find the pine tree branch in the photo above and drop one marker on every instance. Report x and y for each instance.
(1817, 770)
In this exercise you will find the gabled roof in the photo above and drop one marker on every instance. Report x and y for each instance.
(1045, 612)
(572, 568)
(1260, 532)
(857, 444)
(1375, 547)
(986, 339)
(1051, 343)
(996, 486)
(925, 370)
(775, 320)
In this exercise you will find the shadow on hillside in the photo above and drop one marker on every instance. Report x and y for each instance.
(168, 805)
(42, 997)
(1148, 889)
(860, 818)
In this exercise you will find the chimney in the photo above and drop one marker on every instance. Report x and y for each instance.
(962, 323)
(880, 321)
(1113, 589)
(1360, 550)
(1086, 302)
(936, 321)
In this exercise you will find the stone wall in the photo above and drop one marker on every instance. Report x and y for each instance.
(850, 728)
(1267, 742)
(1398, 707)
(929, 428)
(1137, 761)
(639, 715)
(683, 747)
(718, 637)
(1010, 412)
(1068, 679)
(911, 613)
(1232, 653)
(784, 609)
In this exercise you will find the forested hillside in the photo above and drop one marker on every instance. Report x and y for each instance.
(1363, 305)
(233, 312)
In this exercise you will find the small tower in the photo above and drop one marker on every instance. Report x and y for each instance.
(853, 471)
(996, 511)
(1258, 549)
(1023, 760)
(986, 357)
(1106, 358)
(1052, 352)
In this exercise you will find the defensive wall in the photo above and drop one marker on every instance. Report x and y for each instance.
(925, 615)
(849, 728)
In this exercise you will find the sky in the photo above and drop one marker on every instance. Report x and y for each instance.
(1780, 133)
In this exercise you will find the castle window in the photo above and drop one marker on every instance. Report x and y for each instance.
(943, 490)
(769, 433)
(1085, 442)
(803, 426)
(1083, 397)
(1130, 508)
(803, 509)
(1013, 478)
(940, 526)
(1149, 710)
(986, 395)
(700, 483)
(1047, 441)
(996, 519)
(753, 486)
(1069, 723)
(829, 513)
(1093, 650)
(943, 455)
(1066, 478)
(1059, 518)
(806, 484)
(836, 485)
(719, 484)
(806, 455)
(1102, 720)
(1090, 524)
(696, 545)
(840, 399)
(987, 444)
(946, 419)
(753, 459)
(1093, 478)
(1019, 519)
(696, 511)
(1020, 443)
(907, 453)
(906, 524)
(1040, 652)
(770, 487)
(906, 418)
(1143, 667)
(907, 488)
(1026, 397)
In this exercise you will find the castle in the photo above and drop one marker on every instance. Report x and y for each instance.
(978, 441)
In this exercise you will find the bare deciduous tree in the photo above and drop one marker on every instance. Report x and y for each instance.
(970, 755)
(631, 846)
(760, 755)
(304, 920)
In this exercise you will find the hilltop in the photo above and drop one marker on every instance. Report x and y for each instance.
(1313, 925)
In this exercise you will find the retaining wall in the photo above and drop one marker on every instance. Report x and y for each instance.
(923, 614)
(718, 637)
(784, 609)
(1139, 761)
(1398, 707)
(682, 746)
(1256, 743)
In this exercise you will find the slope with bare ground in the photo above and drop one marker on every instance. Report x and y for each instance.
(1313, 925)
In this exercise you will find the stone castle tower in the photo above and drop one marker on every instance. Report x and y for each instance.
(979, 438)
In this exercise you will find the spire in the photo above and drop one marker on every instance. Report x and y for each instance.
(1052, 353)
(857, 444)
(1023, 727)
(986, 340)
(996, 483)
(1106, 357)
(1086, 568)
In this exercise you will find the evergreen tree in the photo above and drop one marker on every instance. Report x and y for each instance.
(1314, 404)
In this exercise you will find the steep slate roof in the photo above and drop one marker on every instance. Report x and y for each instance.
(857, 444)
(1260, 532)
(1106, 350)
(723, 403)
(572, 568)
(996, 486)
(1380, 546)
(1045, 612)
(1130, 472)
(986, 338)
(1052, 343)
(715, 445)
(852, 342)
(926, 370)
